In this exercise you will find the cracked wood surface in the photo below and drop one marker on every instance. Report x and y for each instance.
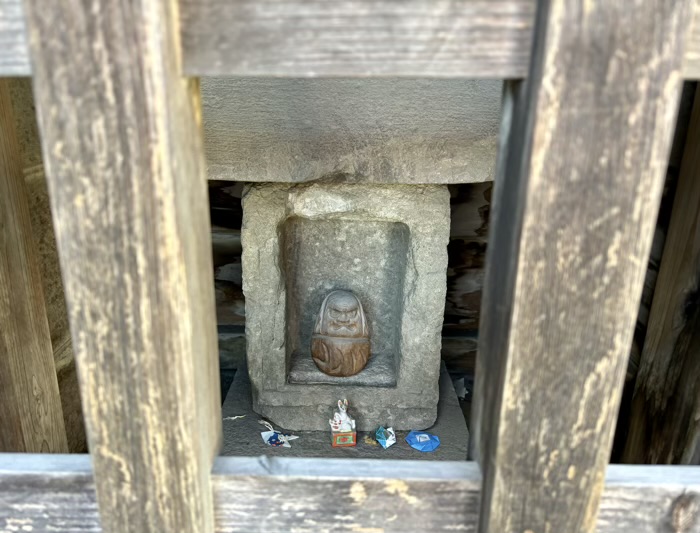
(585, 146)
(664, 423)
(310, 495)
(303, 38)
(121, 139)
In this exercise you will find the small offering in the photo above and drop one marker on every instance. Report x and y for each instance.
(276, 438)
(422, 441)
(343, 427)
(386, 437)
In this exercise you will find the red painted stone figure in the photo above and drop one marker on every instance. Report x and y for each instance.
(340, 343)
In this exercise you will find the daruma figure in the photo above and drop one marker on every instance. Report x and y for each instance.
(340, 343)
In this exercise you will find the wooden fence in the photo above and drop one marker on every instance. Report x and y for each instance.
(589, 113)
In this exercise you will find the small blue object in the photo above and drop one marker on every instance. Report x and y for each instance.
(274, 440)
(385, 437)
(422, 441)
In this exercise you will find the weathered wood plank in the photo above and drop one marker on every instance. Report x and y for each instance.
(302, 38)
(663, 422)
(31, 418)
(263, 494)
(14, 56)
(691, 58)
(580, 177)
(123, 153)
(467, 38)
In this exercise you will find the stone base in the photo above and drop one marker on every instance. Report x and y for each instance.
(379, 372)
(242, 435)
(314, 417)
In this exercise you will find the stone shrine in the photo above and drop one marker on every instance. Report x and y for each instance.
(378, 254)
(347, 191)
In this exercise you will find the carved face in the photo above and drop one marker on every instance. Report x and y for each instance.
(340, 344)
(342, 316)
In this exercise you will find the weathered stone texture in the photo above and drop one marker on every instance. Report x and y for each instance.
(370, 130)
(424, 211)
(242, 435)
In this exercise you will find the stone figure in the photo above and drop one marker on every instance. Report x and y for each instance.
(340, 342)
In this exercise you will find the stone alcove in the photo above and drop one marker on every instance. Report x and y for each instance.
(387, 243)
(367, 257)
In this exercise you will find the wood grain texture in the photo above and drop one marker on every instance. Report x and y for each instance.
(303, 38)
(691, 58)
(14, 56)
(664, 427)
(31, 418)
(122, 146)
(581, 169)
(308, 495)
(309, 38)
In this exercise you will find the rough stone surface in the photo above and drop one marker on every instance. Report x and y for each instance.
(231, 348)
(366, 257)
(297, 130)
(424, 211)
(242, 435)
(379, 372)
(369, 130)
(26, 124)
(40, 211)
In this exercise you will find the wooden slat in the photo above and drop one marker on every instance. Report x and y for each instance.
(256, 494)
(302, 38)
(664, 427)
(31, 418)
(308, 38)
(691, 58)
(14, 56)
(123, 153)
(586, 142)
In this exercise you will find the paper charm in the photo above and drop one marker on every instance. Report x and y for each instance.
(422, 441)
(276, 438)
(385, 437)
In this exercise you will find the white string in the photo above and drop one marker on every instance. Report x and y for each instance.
(267, 425)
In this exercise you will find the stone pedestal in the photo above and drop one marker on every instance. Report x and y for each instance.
(242, 431)
(385, 243)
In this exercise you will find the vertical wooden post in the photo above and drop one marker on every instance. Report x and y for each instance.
(663, 424)
(586, 141)
(31, 418)
(122, 147)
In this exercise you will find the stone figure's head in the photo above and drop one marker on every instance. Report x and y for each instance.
(340, 343)
(342, 316)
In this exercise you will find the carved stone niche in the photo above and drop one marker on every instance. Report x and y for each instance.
(387, 245)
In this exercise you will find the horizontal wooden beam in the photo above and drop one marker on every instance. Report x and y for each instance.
(324, 494)
(314, 38)
(14, 53)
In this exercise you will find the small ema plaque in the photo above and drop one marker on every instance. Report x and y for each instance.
(342, 427)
